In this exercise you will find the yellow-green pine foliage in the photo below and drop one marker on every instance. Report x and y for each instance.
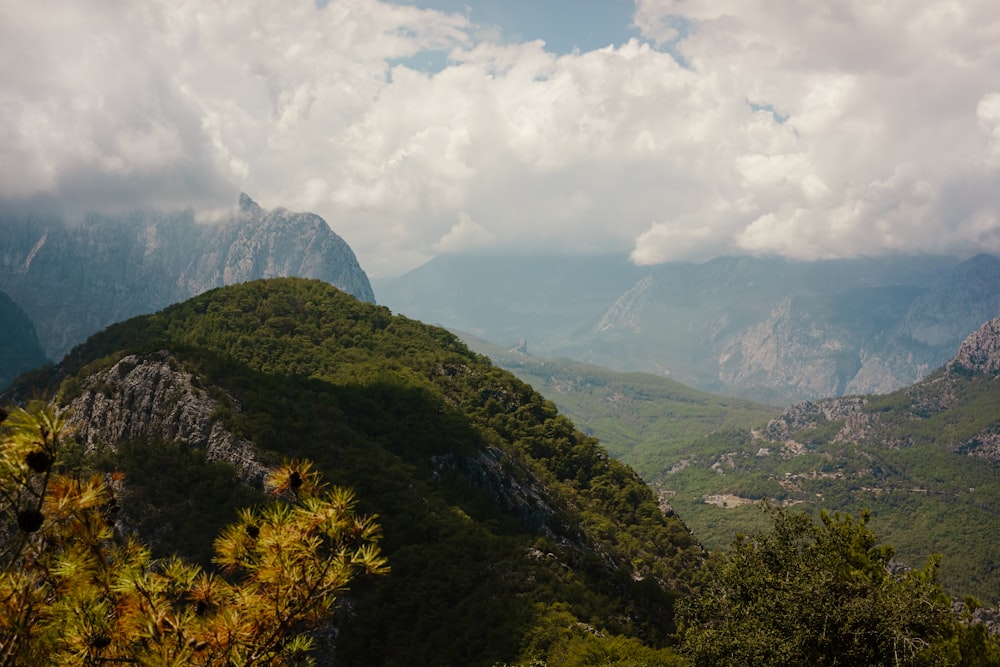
(73, 591)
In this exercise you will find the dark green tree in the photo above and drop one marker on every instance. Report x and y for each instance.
(823, 594)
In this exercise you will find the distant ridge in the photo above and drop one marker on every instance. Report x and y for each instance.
(75, 279)
(923, 459)
(765, 328)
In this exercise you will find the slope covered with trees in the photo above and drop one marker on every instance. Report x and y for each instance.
(924, 460)
(510, 535)
(19, 346)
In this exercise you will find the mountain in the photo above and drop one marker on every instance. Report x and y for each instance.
(767, 329)
(542, 298)
(924, 459)
(641, 418)
(510, 534)
(75, 279)
(933, 324)
(19, 346)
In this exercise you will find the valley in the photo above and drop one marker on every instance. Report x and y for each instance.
(468, 465)
(923, 460)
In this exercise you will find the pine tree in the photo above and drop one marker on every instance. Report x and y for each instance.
(75, 591)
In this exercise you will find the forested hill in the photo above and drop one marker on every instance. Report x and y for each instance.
(923, 459)
(510, 535)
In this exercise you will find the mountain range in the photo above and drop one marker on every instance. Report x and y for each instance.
(922, 459)
(510, 534)
(73, 279)
(513, 535)
(767, 329)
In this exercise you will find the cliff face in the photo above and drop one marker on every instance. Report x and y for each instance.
(977, 360)
(980, 352)
(153, 397)
(74, 280)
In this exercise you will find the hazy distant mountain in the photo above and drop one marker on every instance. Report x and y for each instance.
(935, 321)
(75, 279)
(768, 329)
(19, 347)
(545, 299)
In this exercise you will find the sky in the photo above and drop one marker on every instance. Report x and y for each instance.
(660, 129)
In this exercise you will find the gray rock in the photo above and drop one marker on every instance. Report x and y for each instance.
(154, 397)
(980, 352)
(75, 279)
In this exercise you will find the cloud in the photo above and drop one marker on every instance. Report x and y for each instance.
(881, 111)
(806, 129)
(465, 234)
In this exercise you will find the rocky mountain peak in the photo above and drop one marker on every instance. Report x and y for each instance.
(74, 280)
(980, 352)
(248, 205)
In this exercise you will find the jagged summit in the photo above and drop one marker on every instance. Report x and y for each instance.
(74, 280)
(980, 352)
(247, 204)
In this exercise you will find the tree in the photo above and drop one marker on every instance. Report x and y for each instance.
(822, 594)
(73, 590)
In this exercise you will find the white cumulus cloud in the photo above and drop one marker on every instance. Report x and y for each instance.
(807, 129)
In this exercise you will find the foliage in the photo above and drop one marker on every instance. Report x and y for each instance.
(494, 507)
(640, 417)
(826, 594)
(74, 591)
(925, 495)
(165, 484)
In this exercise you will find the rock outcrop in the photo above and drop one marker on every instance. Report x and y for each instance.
(980, 352)
(76, 279)
(154, 397)
(846, 419)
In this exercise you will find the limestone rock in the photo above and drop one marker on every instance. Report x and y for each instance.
(980, 352)
(73, 280)
(153, 397)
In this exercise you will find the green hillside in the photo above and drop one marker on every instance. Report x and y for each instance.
(713, 459)
(656, 425)
(511, 535)
(640, 418)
